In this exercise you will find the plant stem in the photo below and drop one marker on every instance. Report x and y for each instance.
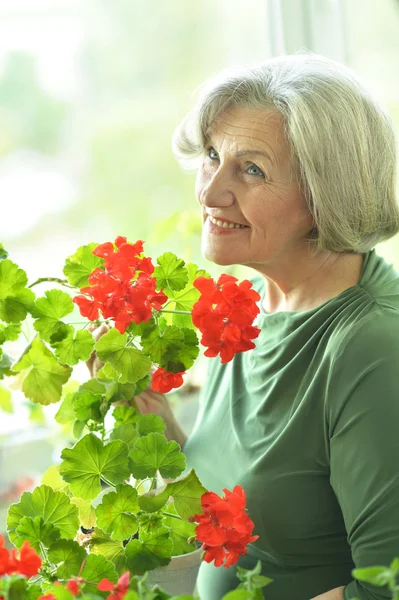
(176, 312)
(168, 514)
(63, 282)
(153, 483)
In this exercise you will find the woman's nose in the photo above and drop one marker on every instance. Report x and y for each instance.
(215, 189)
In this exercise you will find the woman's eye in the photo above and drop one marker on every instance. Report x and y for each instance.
(212, 154)
(254, 170)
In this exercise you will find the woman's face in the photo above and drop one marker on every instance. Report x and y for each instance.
(246, 179)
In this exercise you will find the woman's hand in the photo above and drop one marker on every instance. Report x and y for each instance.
(148, 402)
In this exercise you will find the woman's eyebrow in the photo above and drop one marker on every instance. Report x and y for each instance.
(241, 153)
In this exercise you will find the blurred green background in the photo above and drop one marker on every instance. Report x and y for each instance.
(90, 93)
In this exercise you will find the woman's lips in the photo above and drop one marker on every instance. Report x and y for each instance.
(217, 230)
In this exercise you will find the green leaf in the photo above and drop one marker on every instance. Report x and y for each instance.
(152, 453)
(187, 492)
(180, 532)
(54, 507)
(86, 405)
(116, 513)
(158, 343)
(60, 593)
(87, 514)
(48, 311)
(37, 532)
(33, 592)
(15, 299)
(78, 428)
(79, 266)
(97, 567)
(125, 414)
(150, 424)
(175, 360)
(238, 595)
(126, 433)
(69, 556)
(154, 500)
(5, 365)
(36, 414)
(5, 400)
(78, 345)
(185, 299)
(65, 413)
(101, 543)
(153, 550)
(17, 589)
(44, 375)
(53, 479)
(89, 461)
(378, 576)
(130, 363)
(3, 252)
(9, 333)
(171, 272)
(122, 391)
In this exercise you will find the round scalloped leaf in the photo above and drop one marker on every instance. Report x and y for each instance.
(180, 532)
(171, 272)
(54, 507)
(15, 299)
(154, 549)
(130, 363)
(187, 492)
(116, 513)
(152, 453)
(87, 515)
(69, 556)
(157, 344)
(78, 266)
(125, 433)
(37, 532)
(150, 424)
(48, 311)
(154, 500)
(44, 374)
(124, 415)
(76, 346)
(97, 567)
(101, 543)
(89, 460)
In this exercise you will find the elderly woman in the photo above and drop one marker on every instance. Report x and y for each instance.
(296, 179)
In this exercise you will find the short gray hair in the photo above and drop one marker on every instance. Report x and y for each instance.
(342, 142)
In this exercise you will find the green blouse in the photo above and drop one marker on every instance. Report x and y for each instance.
(308, 424)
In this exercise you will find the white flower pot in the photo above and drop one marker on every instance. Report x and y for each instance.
(180, 575)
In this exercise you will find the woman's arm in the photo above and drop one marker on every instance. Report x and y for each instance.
(335, 594)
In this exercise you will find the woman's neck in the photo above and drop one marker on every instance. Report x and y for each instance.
(319, 280)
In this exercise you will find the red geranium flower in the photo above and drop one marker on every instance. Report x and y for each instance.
(163, 381)
(224, 314)
(224, 527)
(123, 290)
(28, 563)
(119, 590)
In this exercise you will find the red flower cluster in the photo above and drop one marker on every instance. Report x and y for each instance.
(225, 528)
(224, 314)
(163, 381)
(119, 590)
(124, 290)
(27, 564)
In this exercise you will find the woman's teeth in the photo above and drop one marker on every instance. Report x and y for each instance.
(225, 225)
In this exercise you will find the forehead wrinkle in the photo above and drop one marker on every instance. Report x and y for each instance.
(215, 131)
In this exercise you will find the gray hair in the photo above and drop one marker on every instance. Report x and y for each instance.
(341, 139)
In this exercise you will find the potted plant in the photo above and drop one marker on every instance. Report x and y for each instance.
(101, 517)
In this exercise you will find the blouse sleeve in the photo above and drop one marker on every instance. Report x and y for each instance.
(363, 416)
